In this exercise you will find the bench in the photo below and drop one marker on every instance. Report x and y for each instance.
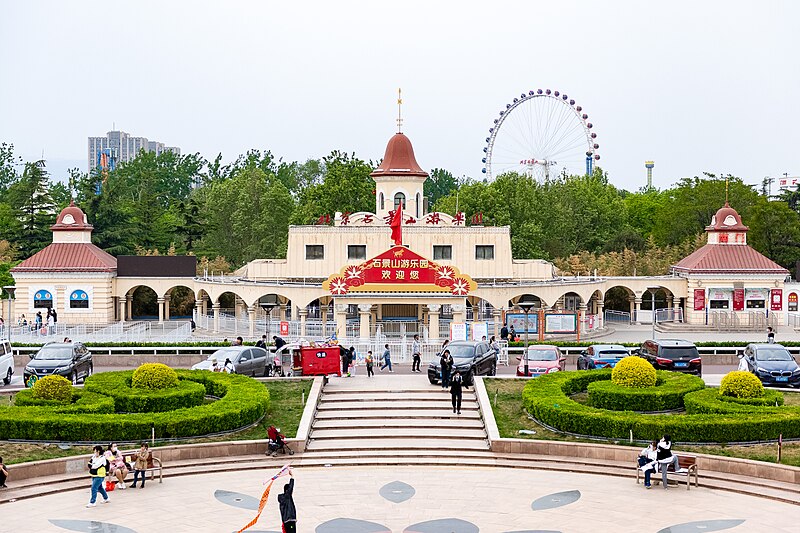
(156, 467)
(687, 466)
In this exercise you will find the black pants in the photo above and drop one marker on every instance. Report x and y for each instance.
(2, 479)
(456, 398)
(415, 363)
(445, 379)
(289, 527)
(136, 474)
(370, 371)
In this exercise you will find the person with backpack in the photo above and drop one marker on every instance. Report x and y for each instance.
(98, 466)
(369, 362)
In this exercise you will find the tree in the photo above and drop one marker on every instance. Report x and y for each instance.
(439, 184)
(8, 172)
(33, 207)
(775, 231)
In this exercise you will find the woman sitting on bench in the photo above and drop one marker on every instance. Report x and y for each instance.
(666, 457)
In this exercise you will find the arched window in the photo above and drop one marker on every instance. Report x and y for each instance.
(419, 206)
(399, 200)
(43, 299)
(380, 201)
(79, 300)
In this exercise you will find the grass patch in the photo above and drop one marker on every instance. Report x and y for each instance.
(511, 417)
(286, 409)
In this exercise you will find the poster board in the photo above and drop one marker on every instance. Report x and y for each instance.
(480, 329)
(458, 331)
(560, 323)
(518, 321)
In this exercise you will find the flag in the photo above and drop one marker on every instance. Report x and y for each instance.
(397, 226)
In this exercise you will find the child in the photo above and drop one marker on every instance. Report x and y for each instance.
(3, 474)
(369, 363)
(140, 465)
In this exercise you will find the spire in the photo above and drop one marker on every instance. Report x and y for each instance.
(399, 111)
(726, 190)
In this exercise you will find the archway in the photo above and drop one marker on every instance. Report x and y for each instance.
(144, 303)
(180, 302)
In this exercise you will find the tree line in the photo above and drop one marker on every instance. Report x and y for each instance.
(230, 213)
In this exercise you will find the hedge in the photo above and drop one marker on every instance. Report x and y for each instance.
(710, 401)
(242, 401)
(82, 401)
(129, 399)
(667, 394)
(546, 399)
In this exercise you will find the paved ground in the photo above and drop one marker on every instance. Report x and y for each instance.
(433, 500)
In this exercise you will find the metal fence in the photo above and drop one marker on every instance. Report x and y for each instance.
(142, 331)
(619, 317)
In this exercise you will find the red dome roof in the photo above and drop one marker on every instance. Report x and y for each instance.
(399, 159)
(71, 218)
(726, 219)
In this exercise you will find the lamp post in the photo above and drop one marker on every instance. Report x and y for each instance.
(268, 305)
(652, 291)
(10, 290)
(526, 307)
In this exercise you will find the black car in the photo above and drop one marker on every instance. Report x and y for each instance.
(471, 358)
(772, 364)
(69, 359)
(671, 354)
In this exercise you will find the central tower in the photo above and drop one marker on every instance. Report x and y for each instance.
(399, 179)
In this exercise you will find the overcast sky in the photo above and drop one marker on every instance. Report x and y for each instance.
(692, 85)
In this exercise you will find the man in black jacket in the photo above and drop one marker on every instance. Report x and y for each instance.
(286, 503)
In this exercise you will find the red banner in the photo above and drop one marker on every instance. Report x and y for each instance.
(699, 299)
(776, 299)
(284, 328)
(399, 265)
(738, 299)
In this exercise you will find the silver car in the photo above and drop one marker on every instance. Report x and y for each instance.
(247, 360)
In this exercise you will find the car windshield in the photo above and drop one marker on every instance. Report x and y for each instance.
(52, 353)
(225, 353)
(773, 354)
(461, 351)
(676, 352)
(611, 353)
(542, 355)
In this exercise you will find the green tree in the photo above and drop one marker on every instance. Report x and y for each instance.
(439, 184)
(8, 171)
(775, 231)
(33, 207)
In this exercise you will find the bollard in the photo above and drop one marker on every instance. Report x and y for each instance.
(304, 398)
(495, 396)
(153, 435)
(631, 432)
(780, 447)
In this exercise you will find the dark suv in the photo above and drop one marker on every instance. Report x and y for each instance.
(672, 354)
(69, 359)
(470, 358)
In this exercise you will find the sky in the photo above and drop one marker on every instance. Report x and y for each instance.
(693, 86)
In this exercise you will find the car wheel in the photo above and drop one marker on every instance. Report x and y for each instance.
(433, 381)
(74, 377)
(7, 379)
(493, 370)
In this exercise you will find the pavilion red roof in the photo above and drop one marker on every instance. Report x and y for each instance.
(399, 159)
(728, 259)
(69, 257)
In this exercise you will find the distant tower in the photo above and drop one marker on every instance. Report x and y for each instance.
(649, 166)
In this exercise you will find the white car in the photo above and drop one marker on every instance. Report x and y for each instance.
(6, 361)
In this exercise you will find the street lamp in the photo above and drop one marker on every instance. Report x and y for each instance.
(268, 304)
(652, 291)
(526, 307)
(10, 290)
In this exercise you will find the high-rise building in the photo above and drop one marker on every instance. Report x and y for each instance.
(119, 147)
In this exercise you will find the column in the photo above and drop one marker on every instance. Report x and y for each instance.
(433, 321)
(204, 305)
(582, 309)
(632, 309)
(637, 307)
(459, 312)
(323, 316)
(251, 312)
(282, 315)
(363, 320)
(293, 310)
(166, 306)
(601, 314)
(340, 310)
(160, 310)
(676, 308)
(198, 312)
(303, 314)
(496, 315)
(216, 307)
(380, 312)
(123, 305)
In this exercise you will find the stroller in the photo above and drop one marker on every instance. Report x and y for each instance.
(276, 442)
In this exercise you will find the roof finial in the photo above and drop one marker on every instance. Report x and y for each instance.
(399, 111)
(726, 190)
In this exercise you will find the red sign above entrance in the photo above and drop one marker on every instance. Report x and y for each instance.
(399, 269)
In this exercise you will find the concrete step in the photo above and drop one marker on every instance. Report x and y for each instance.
(420, 424)
(380, 414)
(378, 405)
(400, 443)
(392, 396)
(409, 433)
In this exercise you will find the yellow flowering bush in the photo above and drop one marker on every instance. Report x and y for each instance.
(56, 388)
(154, 376)
(741, 384)
(635, 372)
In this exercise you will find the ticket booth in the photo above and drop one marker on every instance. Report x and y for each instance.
(317, 361)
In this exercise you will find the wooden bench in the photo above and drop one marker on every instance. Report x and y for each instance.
(157, 467)
(687, 466)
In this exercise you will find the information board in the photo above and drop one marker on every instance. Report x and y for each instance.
(560, 323)
(479, 330)
(518, 321)
(458, 331)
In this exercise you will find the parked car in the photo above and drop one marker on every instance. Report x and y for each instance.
(247, 360)
(69, 359)
(772, 364)
(672, 354)
(606, 355)
(471, 358)
(6, 362)
(542, 359)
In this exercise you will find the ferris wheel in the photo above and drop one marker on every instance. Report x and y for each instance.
(541, 134)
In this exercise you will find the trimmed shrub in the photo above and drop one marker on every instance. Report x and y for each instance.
(741, 384)
(667, 394)
(634, 372)
(710, 401)
(243, 401)
(129, 399)
(546, 399)
(154, 376)
(56, 388)
(82, 401)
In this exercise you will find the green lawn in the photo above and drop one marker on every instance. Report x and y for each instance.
(285, 410)
(511, 418)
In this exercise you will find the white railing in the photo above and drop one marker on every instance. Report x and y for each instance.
(619, 317)
(793, 320)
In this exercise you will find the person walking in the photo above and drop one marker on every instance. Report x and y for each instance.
(369, 362)
(262, 342)
(512, 335)
(456, 385)
(345, 353)
(38, 320)
(504, 332)
(446, 363)
(387, 359)
(770, 335)
(98, 465)
(286, 505)
(353, 359)
(416, 352)
(648, 461)
(140, 464)
(665, 457)
(51, 322)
